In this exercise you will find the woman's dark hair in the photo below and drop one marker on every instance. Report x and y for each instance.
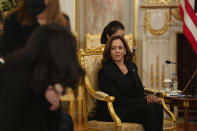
(107, 52)
(50, 53)
(110, 29)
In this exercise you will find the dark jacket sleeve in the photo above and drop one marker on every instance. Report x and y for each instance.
(12, 37)
(140, 88)
(107, 85)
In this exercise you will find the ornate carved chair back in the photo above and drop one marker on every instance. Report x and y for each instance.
(90, 60)
(93, 40)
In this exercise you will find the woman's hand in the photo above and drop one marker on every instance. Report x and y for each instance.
(153, 99)
(53, 97)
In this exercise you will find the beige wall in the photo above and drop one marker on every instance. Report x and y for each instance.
(68, 7)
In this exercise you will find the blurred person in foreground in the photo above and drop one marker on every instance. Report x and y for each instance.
(33, 79)
(23, 20)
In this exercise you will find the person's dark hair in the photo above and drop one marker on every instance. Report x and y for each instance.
(107, 52)
(50, 53)
(68, 20)
(110, 29)
(1, 17)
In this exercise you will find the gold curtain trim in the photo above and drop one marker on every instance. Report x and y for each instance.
(158, 2)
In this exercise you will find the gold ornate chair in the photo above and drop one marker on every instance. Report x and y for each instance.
(93, 41)
(88, 94)
(69, 96)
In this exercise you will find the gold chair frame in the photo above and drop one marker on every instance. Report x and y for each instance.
(98, 95)
(70, 97)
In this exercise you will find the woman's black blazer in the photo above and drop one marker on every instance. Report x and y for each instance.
(111, 80)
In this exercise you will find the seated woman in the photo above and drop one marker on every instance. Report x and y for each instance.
(112, 29)
(47, 64)
(119, 78)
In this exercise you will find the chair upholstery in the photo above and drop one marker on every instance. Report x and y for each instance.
(90, 60)
(93, 41)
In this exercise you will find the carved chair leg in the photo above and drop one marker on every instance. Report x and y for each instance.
(118, 128)
(80, 111)
(72, 110)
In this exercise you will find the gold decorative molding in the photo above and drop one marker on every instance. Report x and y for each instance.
(175, 13)
(158, 2)
(186, 104)
(156, 31)
(177, 2)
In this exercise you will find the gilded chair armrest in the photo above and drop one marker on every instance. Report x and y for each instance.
(103, 96)
(97, 94)
(154, 92)
(167, 110)
(68, 96)
(109, 99)
(162, 95)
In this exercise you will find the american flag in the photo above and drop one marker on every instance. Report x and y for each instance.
(188, 11)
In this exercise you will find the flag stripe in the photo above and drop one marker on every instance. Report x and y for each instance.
(189, 22)
(191, 2)
(181, 12)
(189, 9)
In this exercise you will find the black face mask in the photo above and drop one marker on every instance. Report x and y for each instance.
(34, 7)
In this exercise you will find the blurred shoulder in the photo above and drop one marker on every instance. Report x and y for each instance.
(11, 15)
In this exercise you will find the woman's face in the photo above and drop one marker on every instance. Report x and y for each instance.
(117, 51)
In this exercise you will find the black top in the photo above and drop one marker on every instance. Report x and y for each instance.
(20, 107)
(15, 34)
(129, 81)
(127, 89)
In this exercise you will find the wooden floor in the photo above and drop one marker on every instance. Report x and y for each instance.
(180, 126)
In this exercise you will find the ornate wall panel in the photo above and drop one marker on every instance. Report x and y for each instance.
(98, 13)
(159, 24)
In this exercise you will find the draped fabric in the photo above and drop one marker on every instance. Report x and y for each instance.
(189, 16)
